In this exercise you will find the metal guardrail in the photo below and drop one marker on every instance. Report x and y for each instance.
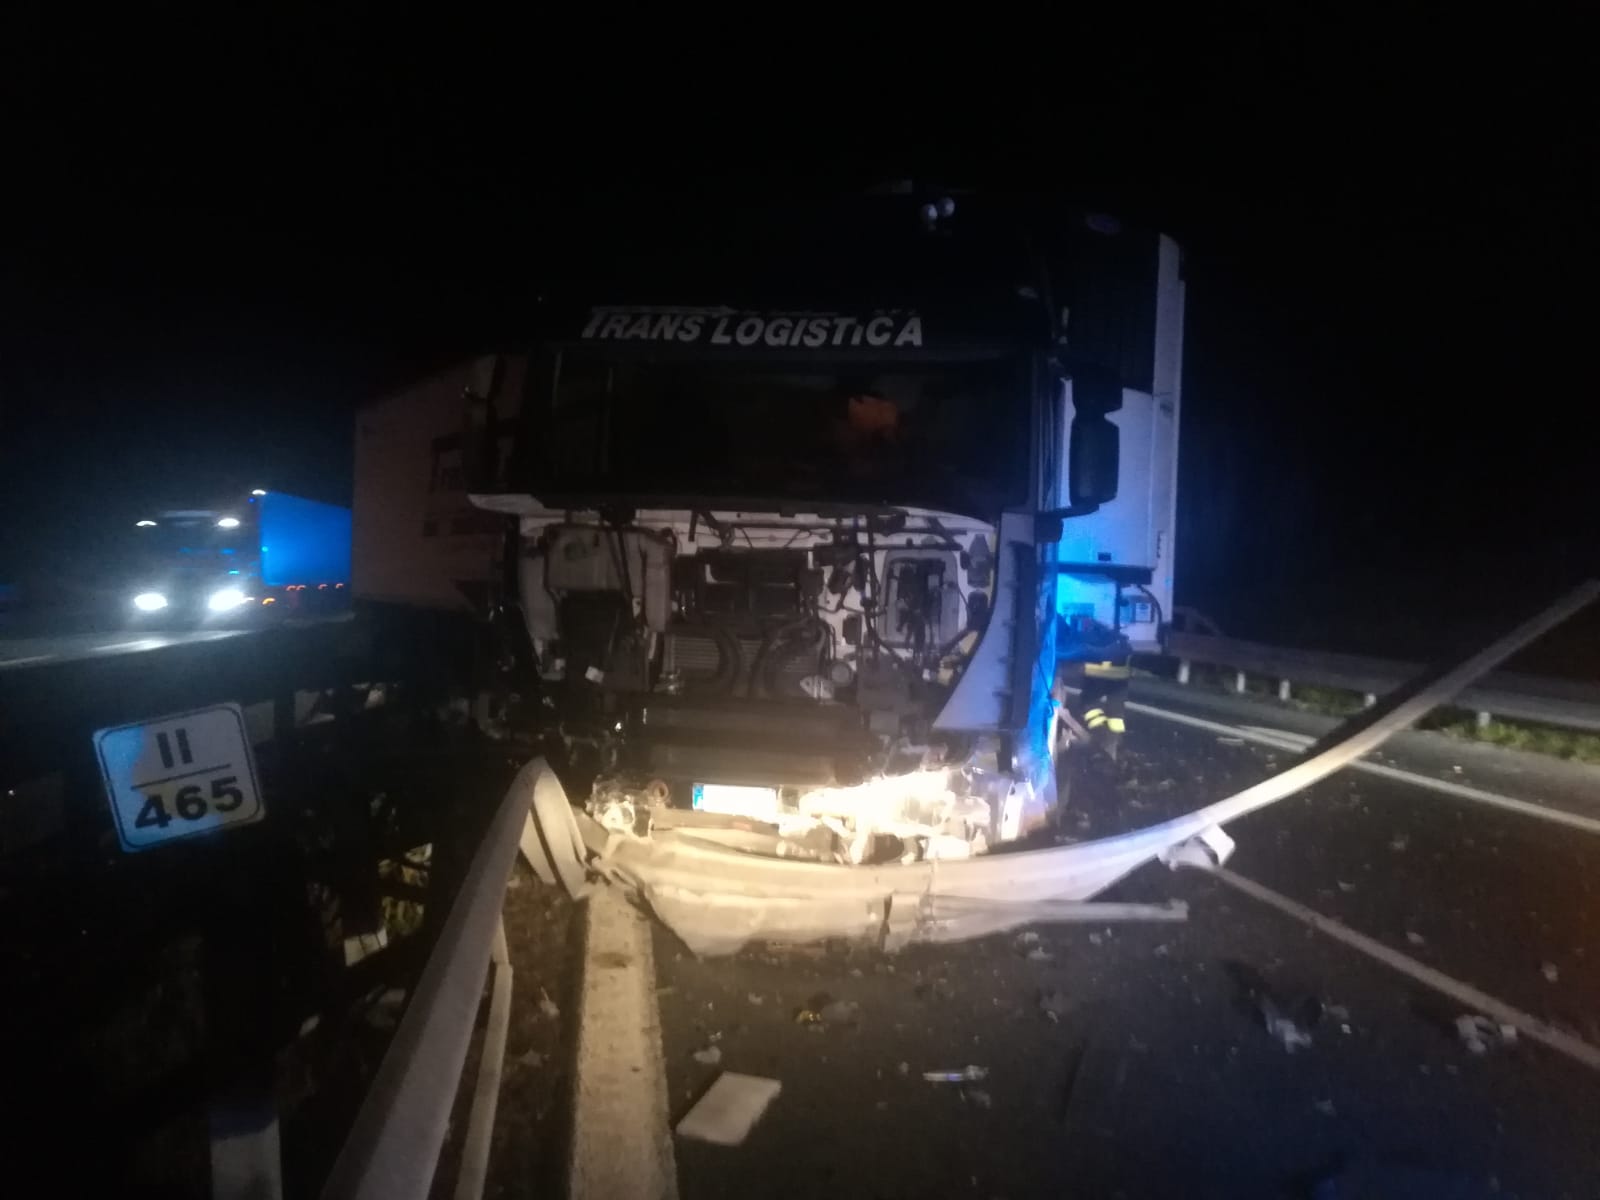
(393, 1147)
(1568, 705)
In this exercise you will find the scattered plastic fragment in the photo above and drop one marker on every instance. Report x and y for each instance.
(1288, 1032)
(709, 1057)
(730, 1109)
(1054, 1003)
(755, 998)
(1479, 1034)
(823, 1009)
(1551, 972)
(385, 1010)
(547, 1006)
(1415, 938)
(841, 1012)
(1040, 954)
(1399, 842)
(979, 1097)
(966, 1075)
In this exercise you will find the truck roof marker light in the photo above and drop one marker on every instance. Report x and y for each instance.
(228, 523)
(322, 587)
(268, 600)
(144, 524)
(258, 491)
(234, 571)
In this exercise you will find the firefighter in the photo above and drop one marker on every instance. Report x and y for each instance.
(1098, 663)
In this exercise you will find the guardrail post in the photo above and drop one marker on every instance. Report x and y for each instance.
(1483, 720)
(1239, 682)
(1283, 689)
(1183, 670)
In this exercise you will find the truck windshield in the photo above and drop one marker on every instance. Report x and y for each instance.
(951, 436)
(189, 541)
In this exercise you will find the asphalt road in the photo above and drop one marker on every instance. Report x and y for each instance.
(1156, 1076)
(17, 653)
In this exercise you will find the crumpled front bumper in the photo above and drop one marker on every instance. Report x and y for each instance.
(718, 899)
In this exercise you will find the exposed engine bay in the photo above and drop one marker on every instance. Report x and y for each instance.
(773, 681)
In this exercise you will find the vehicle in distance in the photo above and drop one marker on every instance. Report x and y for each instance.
(270, 553)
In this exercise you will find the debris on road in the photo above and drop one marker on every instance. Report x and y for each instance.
(823, 1009)
(1479, 1034)
(1025, 939)
(1230, 741)
(529, 1058)
(729, 1110)
(1415, 938)
(710, 1056)
(979, 1097)
(1399, 842)
(547, 1006)
(1287, 1031)
(1326, 1108)
(841, 1012)
(1288, 1017)
(1040, 954)
(754, 998)
(1054, 1003)
(384, 1012)
(1551, 972)
(969, 1074)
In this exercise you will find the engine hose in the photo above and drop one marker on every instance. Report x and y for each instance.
(783, 646)
(728, 660)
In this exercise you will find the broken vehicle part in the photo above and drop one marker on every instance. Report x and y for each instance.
(717, 899)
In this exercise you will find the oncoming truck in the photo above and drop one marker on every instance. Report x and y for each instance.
(801, 525)
(267, 553)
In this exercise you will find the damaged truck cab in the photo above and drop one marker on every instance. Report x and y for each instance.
(797, 528)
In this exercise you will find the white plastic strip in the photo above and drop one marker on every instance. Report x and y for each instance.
(621, 1145)
(1469, 997)
(1294, 743)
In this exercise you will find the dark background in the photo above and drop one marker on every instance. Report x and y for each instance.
(1390, 237)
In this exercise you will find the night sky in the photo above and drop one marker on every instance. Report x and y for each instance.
(205, 273)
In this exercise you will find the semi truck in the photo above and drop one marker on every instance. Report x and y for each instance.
(264, 554)
(803, 538)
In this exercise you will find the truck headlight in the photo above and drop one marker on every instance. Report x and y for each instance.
(149, 601)
(225, 599)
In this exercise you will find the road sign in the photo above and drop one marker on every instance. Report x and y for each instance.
(180, 776)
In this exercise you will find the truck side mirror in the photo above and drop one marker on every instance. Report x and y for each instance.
(1094, 450)
(1092, 457)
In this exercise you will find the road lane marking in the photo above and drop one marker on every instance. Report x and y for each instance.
(1469, 997)
(137, 644)
(621, 1145)
(1294, 743)
(32, 658)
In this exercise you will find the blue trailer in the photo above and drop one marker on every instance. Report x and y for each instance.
(271, 553)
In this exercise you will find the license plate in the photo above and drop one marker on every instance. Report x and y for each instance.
(180, 776)
(757, 803)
